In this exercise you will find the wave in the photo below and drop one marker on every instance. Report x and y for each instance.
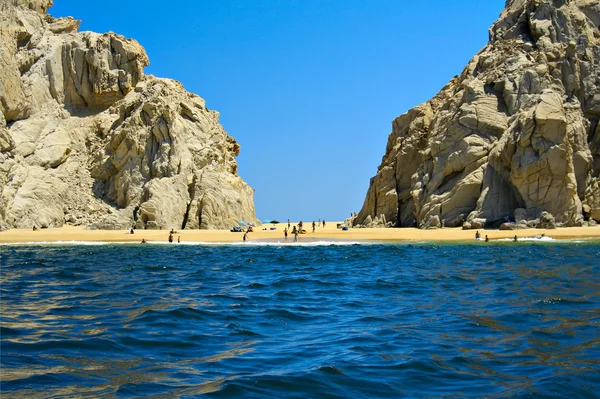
(199, 243)
(291, 243)
(537, 239)
(61, 243)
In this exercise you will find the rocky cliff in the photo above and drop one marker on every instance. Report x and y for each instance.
(87, 139)
(515, 136)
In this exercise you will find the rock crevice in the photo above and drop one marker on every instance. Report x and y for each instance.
(87, 139)
(515, 133)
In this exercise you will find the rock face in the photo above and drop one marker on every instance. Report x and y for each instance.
(517, 130)
(87, 139)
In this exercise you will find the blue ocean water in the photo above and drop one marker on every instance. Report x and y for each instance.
(323, 321)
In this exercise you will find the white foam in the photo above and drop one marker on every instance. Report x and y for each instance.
(536, 239)
(290, 243)
(62, 243)
(259, 243)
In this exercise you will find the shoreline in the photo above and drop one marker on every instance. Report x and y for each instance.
(264, 234)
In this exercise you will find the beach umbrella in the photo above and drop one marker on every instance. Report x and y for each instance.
(242, 223)
(274, 221)
(267, 221)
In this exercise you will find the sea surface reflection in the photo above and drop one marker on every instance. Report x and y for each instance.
(338, 321)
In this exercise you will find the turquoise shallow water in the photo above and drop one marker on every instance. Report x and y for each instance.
(330, 321)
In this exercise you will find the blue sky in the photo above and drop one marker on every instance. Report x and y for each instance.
(309, 88)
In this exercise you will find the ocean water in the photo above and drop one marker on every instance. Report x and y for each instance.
(313, 321)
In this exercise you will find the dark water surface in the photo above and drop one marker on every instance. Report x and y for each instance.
(359, 321)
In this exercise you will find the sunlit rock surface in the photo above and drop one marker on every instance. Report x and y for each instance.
(87, 139)
(517, 130)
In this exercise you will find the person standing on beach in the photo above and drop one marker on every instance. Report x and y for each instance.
(285, 233)
(314, 226)
(295, 235)
(288, 223)
(323, 223)
(178, 239)
(477, 235)
(245, 235)
(171, 237)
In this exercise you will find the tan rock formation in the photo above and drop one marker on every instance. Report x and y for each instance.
(87, 138)
(517, 130)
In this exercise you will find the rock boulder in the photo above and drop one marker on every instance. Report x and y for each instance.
(514, 135)
(87, 139)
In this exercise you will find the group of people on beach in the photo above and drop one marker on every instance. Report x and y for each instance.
(295, 232)
(478, 236)
(170, 239)
(171, 236)
(298, 229)
(301, 224)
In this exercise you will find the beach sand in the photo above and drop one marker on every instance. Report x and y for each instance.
(70, 233)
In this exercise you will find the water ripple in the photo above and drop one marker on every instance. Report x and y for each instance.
(329, 321)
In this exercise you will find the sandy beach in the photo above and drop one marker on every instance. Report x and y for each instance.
(265, 232)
